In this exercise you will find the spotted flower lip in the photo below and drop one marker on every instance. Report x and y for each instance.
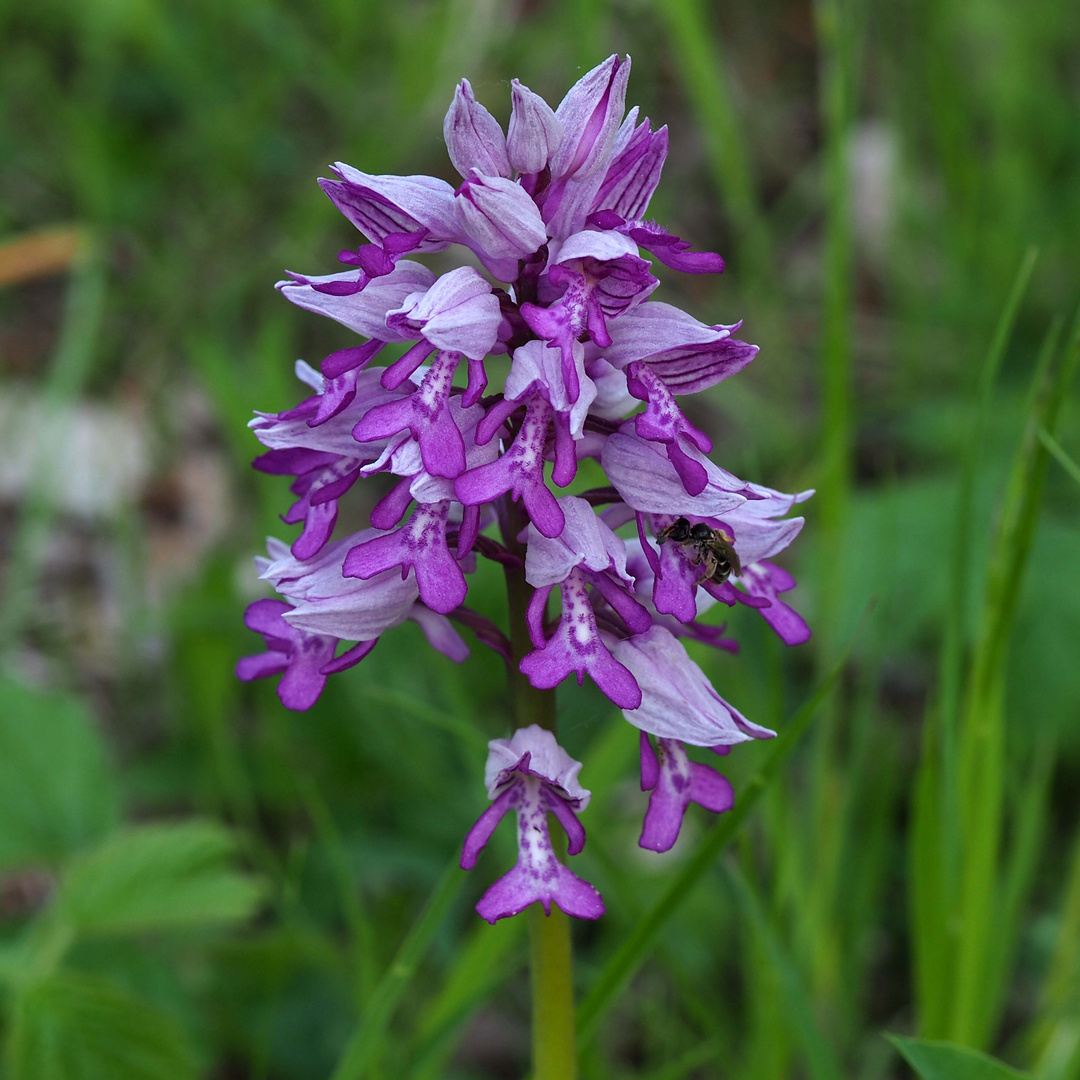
(576, 647)
(519, 472)
(476, 397)
(421, 546)
(586, 554)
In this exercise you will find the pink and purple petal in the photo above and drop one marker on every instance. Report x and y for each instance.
(675, 782)
(421, 546)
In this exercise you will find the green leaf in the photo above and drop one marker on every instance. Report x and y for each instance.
(56, 791)
(74, 1027)
(157, 877)
(934, 1060)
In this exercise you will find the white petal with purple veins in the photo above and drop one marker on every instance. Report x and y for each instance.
(677, 700)
(474, 139)
(365, 312)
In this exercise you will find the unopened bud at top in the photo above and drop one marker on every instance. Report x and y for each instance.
(474, 139)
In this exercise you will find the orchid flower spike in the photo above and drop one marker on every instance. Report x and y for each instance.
(535, 355)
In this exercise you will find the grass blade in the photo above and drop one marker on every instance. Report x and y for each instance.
(953, 645)
(982, 738)
(361, 929)
(685, 1064)
(417, 709)
(1055, 1035)
(366, 1043)
(935, 846)
(1059, 454)
(490, 956)
(821, 1060)
(944, 1061)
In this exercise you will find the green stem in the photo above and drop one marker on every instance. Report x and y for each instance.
(553, 1021)
(554, 1027)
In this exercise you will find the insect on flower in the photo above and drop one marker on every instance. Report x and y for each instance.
(713, 547)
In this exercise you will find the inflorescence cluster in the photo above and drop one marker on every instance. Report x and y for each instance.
(553, 211)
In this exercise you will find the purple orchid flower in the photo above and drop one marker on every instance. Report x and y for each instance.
(679, 705)
(327, 603)
(381, 205)
(541, 358)
(520, 471)
(688, 355)
(763, 581)
(325, 459)
(645, 583)
(532, 775)
(362, 312)
(420, 546)
(602, 277)
(534, 133)
(304, 659)
(501, 220)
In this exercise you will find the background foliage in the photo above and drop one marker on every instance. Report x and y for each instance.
(195, 882)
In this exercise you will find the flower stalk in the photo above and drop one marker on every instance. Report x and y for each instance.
(528, 705)
(551, 961)
(554, 1026)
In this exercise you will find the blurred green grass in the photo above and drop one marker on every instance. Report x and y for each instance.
(874, 174)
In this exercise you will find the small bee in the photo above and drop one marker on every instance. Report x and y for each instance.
(711, 547)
